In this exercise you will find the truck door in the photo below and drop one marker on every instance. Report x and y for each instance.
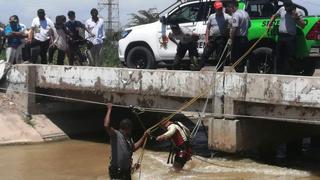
(205, 11)
(186, 15)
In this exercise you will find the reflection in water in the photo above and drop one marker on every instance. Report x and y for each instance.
(78, 159)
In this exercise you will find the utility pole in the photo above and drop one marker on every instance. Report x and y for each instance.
(112, 21)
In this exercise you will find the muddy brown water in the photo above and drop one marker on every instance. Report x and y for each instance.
(88, 160)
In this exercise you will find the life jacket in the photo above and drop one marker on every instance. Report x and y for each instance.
(180, 147)
(181, 132)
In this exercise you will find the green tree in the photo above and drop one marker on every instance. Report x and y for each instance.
(144, 17)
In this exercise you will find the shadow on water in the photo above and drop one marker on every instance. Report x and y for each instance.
(88, 126)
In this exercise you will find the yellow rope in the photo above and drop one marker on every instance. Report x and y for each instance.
(249, 50)
(193, 100)
(185, 106)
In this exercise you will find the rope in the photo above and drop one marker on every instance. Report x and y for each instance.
(82, 100)
(137, 112)
(141, 157)
(249, 50)
(212, 163)
(314, 120)
(186, 105)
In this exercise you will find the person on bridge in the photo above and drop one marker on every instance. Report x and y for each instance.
(290, 17)
(40, 36)
(2, 39)
(74, 26)
(59, 40)
(15, 33)
(179, 134)
(217, 33)
(187, 42)
(238, 40)
(98, 37)
(122, 148)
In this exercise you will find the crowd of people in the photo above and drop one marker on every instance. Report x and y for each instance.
(44, 38)
(228, 26)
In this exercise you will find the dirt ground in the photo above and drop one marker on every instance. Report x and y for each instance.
(6, 104)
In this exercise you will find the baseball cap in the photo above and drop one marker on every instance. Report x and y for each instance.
(218, 5)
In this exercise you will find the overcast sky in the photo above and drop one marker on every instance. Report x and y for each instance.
(26, 9)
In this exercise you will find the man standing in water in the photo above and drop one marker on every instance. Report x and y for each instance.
(122, 148)
(180, 137)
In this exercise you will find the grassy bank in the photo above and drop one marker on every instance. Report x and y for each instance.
(110, 54)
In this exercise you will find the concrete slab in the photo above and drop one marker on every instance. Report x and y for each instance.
(15, 131)
(223, 135)
(47, 129)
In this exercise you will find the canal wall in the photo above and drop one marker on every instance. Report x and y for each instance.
(245, 111)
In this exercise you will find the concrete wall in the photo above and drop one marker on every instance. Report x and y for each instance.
(237, 99)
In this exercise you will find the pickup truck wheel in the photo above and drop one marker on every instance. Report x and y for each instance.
(140, 57)
(309, 67)
(261, 61)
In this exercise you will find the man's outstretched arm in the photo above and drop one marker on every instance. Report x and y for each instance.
(107, 126)
(167, 135)
(139, 143)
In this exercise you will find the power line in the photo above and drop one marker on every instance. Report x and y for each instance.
(113, 17)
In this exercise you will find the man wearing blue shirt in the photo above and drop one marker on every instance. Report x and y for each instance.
(74, 27)
(14, 33)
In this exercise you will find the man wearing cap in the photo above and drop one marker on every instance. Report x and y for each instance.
(238, 33)
(290, 17)
(217, 33)
(187, 42)
(15, 33)
(40, 35)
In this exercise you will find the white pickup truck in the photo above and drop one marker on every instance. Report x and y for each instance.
(141, 46)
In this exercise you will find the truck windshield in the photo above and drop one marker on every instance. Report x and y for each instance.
(188, 13)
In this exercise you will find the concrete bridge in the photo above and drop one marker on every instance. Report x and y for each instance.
(246, 110)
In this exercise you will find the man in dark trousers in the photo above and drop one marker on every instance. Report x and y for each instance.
(290, 17)
(59, 43)
(75, 41)
(217, 33)
(187, 42)
(238, 34)
(180, 137)
(40, 35)
(122, 148)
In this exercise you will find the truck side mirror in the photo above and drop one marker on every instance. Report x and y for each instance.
(163, 20)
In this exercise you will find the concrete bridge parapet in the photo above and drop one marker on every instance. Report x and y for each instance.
(245, 107)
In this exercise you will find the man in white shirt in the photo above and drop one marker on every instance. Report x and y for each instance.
(40, 35)
(96, 26)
